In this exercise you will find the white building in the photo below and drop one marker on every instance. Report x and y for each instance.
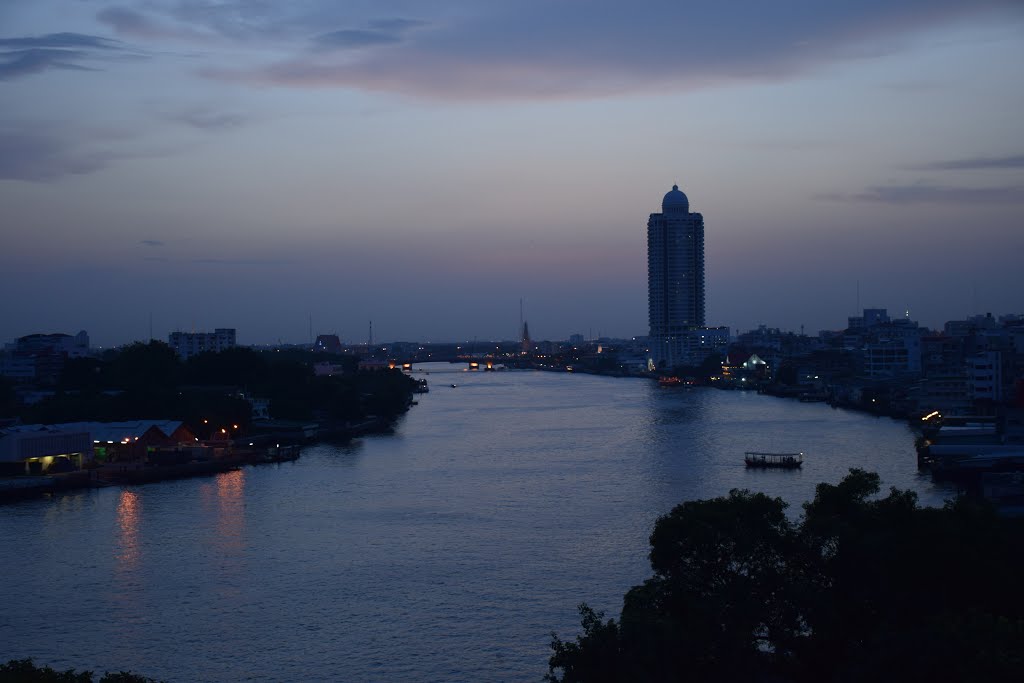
(893, 357)
(34, 449)
(675, 278)
(187, 344)
(984, 373)
(18, 368)
(76, 346)
(871, 317)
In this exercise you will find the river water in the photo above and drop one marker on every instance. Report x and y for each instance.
(446, 552)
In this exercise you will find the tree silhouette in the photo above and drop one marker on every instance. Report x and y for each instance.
(860, 587)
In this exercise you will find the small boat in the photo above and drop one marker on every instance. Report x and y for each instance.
(281, 454)
(787, 461)
(454, 385)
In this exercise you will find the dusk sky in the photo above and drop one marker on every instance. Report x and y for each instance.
(252, 164)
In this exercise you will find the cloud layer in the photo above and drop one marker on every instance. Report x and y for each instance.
(535, 48)
(38, 154)
(25, 56)
(940, 194)
(977, 164)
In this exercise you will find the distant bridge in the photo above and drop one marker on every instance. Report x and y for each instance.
(474, 362)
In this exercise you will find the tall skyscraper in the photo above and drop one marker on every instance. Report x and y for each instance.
(675, 278)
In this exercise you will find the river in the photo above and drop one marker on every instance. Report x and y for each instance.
(447, 551)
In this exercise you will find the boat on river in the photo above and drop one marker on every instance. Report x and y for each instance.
(786, 461)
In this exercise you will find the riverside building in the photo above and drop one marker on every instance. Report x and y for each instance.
(675, 282)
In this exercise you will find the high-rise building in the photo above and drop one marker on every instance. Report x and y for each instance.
(675, 278)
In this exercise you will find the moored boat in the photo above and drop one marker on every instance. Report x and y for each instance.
(786, 461)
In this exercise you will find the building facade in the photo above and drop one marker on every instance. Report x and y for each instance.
(40, 358)
(187, 344)
(675, 278)
(35, 449)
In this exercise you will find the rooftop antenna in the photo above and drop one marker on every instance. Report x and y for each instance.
(857, 310)
(369, 341)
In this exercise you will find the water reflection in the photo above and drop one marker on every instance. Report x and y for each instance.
(129, 509)
(231, 511)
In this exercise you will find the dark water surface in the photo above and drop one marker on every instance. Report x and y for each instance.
(446, 552)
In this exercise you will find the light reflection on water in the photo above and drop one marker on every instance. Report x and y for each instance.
(447, 551)
(128, 511)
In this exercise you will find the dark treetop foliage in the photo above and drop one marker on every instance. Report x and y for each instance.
(24, 671)
(860, 588)
(143, 381)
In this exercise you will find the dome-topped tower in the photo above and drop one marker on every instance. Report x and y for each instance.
(675, 283)
(675, 202)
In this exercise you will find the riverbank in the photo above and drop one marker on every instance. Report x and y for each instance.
(843, 397)
(22, 488)
(269, 441)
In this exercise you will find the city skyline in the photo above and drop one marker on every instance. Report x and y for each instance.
(233, 164)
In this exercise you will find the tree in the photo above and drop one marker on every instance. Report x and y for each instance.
(594, 657)
(787, 374)
(82, 374)
(144, 368)
(24, 671)
(8, 398)
(710, 366)
(238, 367)
(860, 587)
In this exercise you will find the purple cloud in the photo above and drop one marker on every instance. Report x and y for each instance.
(31, 55)
(381, 32)
(37, 155)
(397, 24)
(25, 56)
(354, 38)
(540, 49)
(18, 63)
(923, 193)
(537, 48)
(60, 41)
(240, 262)
(37, 151)
(976, 164)
(206, 119)
(129, 22)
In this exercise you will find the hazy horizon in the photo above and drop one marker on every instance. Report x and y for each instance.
(249, 165)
